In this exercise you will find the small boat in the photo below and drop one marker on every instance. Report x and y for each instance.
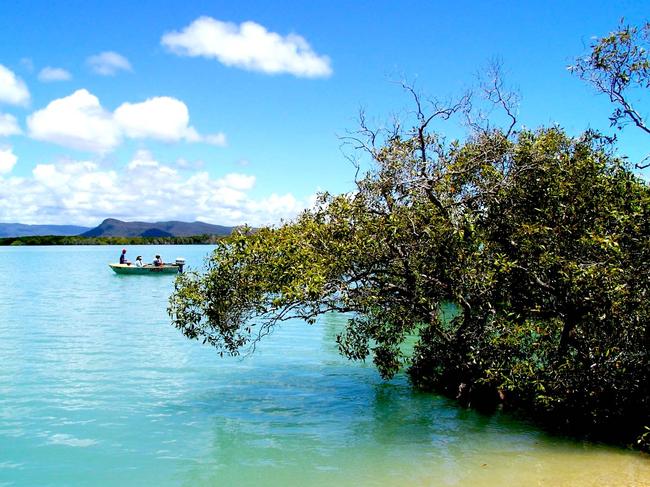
(149, 269)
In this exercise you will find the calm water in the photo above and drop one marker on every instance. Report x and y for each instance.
(96, 388)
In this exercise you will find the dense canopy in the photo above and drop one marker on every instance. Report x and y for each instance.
(519, 263)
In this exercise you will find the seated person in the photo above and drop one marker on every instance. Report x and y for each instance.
(157, 261)
(138, 261)
(123, 259)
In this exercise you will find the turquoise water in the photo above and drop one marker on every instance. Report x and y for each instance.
(96, 388)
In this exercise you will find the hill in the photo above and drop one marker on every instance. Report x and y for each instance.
(117, 228)
(23, 230)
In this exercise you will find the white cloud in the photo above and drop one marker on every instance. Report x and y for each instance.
(81, 192)
(161, 118)
(239, 181)
(13, 90)
(218, 139)
(108, 63)
(49, 74)
(77, 121)
(8, 125)
(49, 176)
(143, 158)
(7, 160)
(249, 46)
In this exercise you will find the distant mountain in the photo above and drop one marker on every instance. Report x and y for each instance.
(22, 230)
(117, 228)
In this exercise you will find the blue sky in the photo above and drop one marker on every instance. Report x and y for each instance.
(231, 112)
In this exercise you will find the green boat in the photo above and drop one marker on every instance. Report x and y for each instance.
(149, 269)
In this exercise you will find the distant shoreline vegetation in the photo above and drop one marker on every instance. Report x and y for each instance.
(78, 240)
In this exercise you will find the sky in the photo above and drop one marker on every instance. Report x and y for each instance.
(234, 112)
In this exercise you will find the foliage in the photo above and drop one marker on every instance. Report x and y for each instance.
(78, 240)
(618, 65)
(562, 323)
(541, 240)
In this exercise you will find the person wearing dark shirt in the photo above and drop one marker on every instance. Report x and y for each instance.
(157, 261)
(123, 259)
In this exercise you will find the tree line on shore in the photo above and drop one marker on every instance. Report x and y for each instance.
(78, 240)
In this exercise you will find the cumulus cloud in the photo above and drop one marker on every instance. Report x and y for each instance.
(240, 182)
(8, 125)
(161, 118)
(7, 160)
(249, 46)
(108, 63)
(13, 90)
(77, 121)
(49, 74)
(82, 192)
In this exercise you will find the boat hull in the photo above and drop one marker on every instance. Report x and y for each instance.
(145, 270)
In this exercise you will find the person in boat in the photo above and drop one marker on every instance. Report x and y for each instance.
(138, 261)
(123, 259)
(157, 261)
